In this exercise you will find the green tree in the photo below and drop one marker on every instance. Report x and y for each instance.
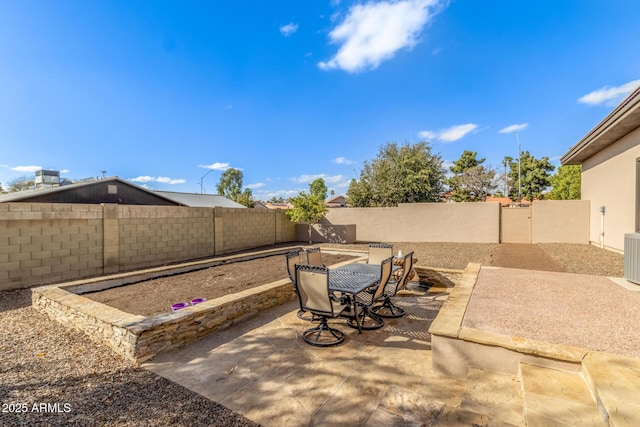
(498, 193)
(246, 198)
(306, 208)
(20, 183)
(565, 183)
(318, 188)
(2, 189)
(399, 174)
(230, 184)
(535, 176)
(471, 181)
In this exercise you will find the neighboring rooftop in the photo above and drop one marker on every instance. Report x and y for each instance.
(199, 200)
(624, 119)
(106, 190)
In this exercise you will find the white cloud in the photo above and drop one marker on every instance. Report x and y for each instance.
(287, 30)
(143, 179)
(610, 96)
(428, 135)
(342, 161)
(216, 166)
(305, 179)
(374, 31)
(26, 168)
(160, 179)
(455, 133)
(167, 180)
(514, 128)
(450, 134)
(256, 185)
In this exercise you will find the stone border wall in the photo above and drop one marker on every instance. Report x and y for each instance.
(456, 348)
(140, 338)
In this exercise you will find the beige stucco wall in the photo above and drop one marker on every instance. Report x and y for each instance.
(560, 221)
(326, 232)
(609, 179)
(424, 222)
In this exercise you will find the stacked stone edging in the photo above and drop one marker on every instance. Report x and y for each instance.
(139, 338)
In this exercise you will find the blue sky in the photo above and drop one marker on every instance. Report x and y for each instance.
(168, 94)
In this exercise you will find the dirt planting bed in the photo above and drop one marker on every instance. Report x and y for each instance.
(155, 296)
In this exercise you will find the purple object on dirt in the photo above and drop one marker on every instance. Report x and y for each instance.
(197, 301)
(179, 305)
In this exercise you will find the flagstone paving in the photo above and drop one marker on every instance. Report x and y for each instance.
(263, 370)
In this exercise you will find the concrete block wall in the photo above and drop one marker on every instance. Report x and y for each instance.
(43, 243)
(238, 229)
(154, 235)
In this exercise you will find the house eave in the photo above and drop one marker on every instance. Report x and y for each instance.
(623, 120)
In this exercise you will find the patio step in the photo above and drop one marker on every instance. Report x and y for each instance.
(615, 381)
(557, 398)
(490, 399)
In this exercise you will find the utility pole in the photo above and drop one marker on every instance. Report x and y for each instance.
(519, 173)
(201, 179)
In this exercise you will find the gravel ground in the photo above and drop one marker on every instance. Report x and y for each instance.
(44, 362)
(574, 309)
(584, 259)
(438, 255)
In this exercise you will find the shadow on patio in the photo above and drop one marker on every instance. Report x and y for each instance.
(262, 368)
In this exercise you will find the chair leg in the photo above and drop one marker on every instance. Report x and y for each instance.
(388, 309)
(315, 337)
(368, 320)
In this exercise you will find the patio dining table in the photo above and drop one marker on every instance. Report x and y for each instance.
(350, 282)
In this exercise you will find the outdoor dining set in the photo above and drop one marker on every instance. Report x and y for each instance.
(359, 292)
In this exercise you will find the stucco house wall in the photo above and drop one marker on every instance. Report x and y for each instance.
(609, 154)
(609, 180)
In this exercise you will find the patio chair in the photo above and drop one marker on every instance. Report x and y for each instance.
(365, 319)
(297, 256)
(379, 252)
(314, 257)
(388, 309)
(314, 297)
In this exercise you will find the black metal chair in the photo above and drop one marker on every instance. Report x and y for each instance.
(366, 319)
(387, 308)
(314, 297)
(378, 252)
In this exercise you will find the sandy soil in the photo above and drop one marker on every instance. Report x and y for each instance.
(153, 297)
